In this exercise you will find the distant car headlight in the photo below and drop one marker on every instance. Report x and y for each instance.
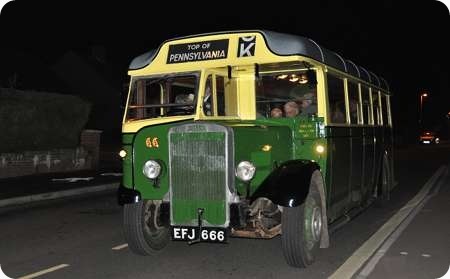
(245, 171)
(151, 169)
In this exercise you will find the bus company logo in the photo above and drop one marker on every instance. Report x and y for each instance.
(247, 46)
(196, 128)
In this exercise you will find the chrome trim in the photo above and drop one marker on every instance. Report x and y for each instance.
(229, 156)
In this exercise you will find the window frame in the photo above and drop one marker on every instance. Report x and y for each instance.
(214, 72)
(359, 121)
(379, 113)
(370, 112)
(344, 87)
(291, 67)
(133, 84)
(386, 122)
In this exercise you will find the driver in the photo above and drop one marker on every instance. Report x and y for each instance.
(184, 99)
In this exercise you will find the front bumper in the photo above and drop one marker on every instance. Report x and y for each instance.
(238, 211)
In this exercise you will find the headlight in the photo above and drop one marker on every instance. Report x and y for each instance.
(320, 148)
(245, 171)
(151, 169)
(122, 153)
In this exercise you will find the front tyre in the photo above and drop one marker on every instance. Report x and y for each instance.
(301, 231)
(144, 230)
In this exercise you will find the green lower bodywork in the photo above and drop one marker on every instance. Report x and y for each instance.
(288, 139)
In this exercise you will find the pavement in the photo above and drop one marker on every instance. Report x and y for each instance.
(421, 247)
(413, 243)
(41, 187)
(35, 188)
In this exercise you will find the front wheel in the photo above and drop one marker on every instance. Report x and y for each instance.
(301, 231)
(144, 230)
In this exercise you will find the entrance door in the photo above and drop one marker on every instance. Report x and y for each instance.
(339, 146)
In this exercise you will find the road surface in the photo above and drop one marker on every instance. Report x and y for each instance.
(82, 238)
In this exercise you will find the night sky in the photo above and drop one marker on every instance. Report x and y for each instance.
(407, 44)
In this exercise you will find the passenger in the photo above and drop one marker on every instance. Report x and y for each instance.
(276, 113)
(308, 104)
(337, 114)
(353, 105)
(184, 98)
(291, 109)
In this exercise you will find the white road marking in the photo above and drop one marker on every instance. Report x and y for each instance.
(426, 255)
(45, 271)
(368, 248)
(111, 174)
(73, 179)
(404, 253)
(119, 247)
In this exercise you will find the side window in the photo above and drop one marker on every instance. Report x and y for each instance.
(161, 97)
(145, 94)
(220, 97)
(208, 104)
(366, 105)
(285, 92)
(388, 101)
(336, 99)
(384, 110)
(376, 107)
(354, 103)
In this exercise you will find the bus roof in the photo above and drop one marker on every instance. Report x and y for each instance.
(285, 45)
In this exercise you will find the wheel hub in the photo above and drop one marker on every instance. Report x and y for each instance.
(151, 217)
(316, 223)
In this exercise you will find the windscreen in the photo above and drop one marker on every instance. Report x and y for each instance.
(162, 96)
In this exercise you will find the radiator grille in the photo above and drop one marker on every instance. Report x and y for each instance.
(198, 176)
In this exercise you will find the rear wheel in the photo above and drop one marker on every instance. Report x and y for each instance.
(144, 230)
(301, 231)
(385, 183)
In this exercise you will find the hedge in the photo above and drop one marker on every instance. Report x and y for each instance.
(31, 120)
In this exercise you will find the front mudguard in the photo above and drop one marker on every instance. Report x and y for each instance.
(288, 185)
(126, 195)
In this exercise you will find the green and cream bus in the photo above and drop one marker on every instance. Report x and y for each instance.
(251, 134)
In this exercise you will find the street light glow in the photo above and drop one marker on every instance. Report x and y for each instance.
(422, 98)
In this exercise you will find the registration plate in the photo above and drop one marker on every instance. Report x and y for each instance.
(205, 234)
